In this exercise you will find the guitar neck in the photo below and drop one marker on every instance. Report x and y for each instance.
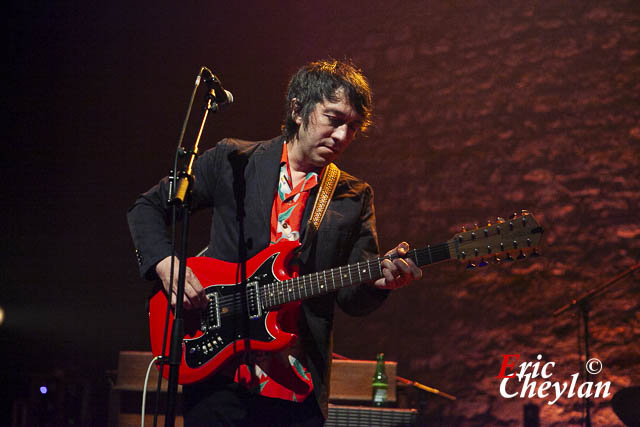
(322, 282)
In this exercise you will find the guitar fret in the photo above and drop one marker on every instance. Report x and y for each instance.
(304, 286)
(324, 277)
(271, 294)
(290, 290)
(358, 267)
(341, 281)
(281, 293)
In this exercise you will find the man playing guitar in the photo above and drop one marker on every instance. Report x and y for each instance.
(262, 194)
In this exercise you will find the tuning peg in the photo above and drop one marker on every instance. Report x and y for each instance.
(524, 212)
(509, 257)
(521, 255)
(470, 266)
(464, 229)
(500, 220)
(482, 263)
(475, 226)
(488, 223)
(513, 215)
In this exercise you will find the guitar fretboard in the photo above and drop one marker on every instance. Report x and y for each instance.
(322, 282)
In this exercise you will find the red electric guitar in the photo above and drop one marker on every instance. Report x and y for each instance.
(240, 318)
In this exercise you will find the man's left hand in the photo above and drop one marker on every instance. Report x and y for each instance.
(398, 271)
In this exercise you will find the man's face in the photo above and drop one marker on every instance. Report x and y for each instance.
(332, 126)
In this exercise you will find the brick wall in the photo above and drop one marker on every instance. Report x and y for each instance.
(482, 111)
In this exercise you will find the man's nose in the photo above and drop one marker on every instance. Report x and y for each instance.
(341, 133)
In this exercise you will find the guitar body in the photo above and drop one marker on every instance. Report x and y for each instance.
(234, 321)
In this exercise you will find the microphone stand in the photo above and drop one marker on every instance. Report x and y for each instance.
(582, 304)
(182, 200)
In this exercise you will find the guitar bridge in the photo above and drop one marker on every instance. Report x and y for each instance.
(254, 305)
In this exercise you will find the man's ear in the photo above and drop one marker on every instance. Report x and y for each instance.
(295, 111)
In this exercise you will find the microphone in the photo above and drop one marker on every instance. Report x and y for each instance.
(220, 95)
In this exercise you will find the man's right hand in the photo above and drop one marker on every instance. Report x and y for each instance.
(194, 295)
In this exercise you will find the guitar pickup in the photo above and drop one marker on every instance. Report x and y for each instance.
(254, 305)
(211, 317)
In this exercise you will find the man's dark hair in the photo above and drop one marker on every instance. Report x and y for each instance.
(319, 81)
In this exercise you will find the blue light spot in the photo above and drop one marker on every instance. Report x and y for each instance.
(44, 389)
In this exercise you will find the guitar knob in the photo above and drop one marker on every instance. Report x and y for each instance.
(471, 266)
(482, 263)
(509, 257)
(496, 259)
(521, 255)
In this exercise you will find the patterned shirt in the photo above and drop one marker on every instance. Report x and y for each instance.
(282, 374)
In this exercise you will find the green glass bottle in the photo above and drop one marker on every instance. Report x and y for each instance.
(379, 384)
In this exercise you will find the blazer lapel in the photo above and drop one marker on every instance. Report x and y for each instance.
(267, 171)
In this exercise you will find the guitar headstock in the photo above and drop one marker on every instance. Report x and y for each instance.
(514, 238)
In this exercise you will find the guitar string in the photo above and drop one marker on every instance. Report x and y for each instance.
(281, 289)
(275, 291)
(280, 292)
(281, 296)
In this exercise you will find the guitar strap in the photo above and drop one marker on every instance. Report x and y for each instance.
(325, 193)
(328, 186)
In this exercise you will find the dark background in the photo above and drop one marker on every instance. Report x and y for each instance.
(483, 108)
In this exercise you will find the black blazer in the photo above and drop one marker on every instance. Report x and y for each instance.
(237, 180)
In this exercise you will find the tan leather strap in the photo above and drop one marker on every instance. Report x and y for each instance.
(327, 187)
